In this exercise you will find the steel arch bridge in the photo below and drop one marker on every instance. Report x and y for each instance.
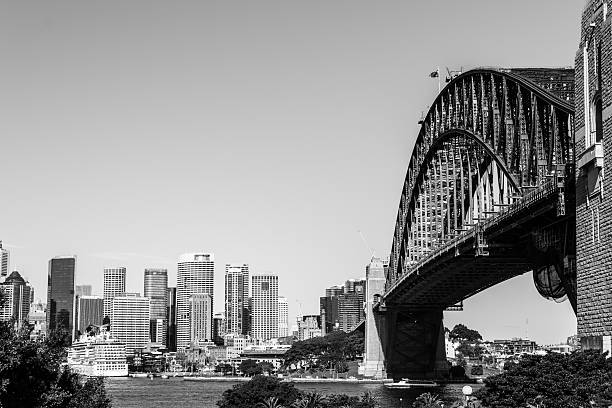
(488, 195)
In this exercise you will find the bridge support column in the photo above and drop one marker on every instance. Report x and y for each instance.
(373, 358)
(415, 344)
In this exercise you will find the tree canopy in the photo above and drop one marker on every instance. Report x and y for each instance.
(32, 375)
(330, 351)
(553, 380)
(461, 333)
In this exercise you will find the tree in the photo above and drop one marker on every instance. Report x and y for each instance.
(33, 376)
(461, 333)
(553, 380)
(250, 368)
(266, 367)
(249, 394)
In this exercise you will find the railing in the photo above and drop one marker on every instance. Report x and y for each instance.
(545, 190)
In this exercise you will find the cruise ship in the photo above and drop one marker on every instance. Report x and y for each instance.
(99, 355)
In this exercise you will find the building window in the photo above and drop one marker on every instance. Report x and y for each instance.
(597, 118)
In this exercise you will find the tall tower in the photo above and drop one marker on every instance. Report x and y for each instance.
(195, 275)
(130, 320)
(4, 262)
(283, 317)
(156, 289)
(60, 294)
(236, 298)
(373, 357)
(17, 298)
(171, 319)
(265, 306)
(114, 285)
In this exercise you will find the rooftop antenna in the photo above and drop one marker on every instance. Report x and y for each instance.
(366, 244)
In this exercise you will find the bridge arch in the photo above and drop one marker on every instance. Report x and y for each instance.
(490, 138)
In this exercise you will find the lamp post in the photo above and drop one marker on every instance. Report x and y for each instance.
(467, 391)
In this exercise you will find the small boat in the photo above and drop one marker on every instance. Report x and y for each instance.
(164, 376)
(405, 383)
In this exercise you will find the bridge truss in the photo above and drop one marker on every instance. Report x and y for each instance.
(494, 145)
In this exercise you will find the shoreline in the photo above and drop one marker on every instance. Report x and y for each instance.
(292, 380)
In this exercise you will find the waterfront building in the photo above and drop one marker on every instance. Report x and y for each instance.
(195, 275)
(114, 285)
(156, 289)
(89, 312)
(309, 326)
(4, 262)
(273, 354)
(130, 317)
(283, 317)
(200, 318)
(82, 290)
(265, 306)
(236, 343)
(98, 355)
(60, 294)
(16, 299)
(514, 346)
(236, 298)
(171, 319)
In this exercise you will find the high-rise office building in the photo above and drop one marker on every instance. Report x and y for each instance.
(4, 262)
(16, 299)
(60, 294)
(114, 285)
(236, 298)
(157, 331)
(283, 317)
(156, 289)
(350, 304)
(82, 290)
(265, 306)
(342, 306)
(195, 275)
(130, 317)
(218, 328)
(90, 312)
(171, 319)
(200, 318)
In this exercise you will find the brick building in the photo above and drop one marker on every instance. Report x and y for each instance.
(593, 122)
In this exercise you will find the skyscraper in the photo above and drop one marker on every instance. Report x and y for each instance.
(16, 299)
(350, 304)
(171, 319)
(200, 317)
(90, 312)
(195, 275)
(82, 290)
(114, 284)
(236, 299)
(4, 262)
(130, 320)
(283, 317)
(265, 306)
(60, 294)
(156, 289)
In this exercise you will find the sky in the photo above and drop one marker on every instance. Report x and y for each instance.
(265, 132)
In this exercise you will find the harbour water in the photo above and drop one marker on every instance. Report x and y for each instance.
(176, 393)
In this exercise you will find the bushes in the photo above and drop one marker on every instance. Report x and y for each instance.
(264, 391)
(553, 380)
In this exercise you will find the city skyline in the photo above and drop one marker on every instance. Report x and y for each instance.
(314, 127)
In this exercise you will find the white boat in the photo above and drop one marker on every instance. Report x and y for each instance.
(164, 376)
(405, 383)
(99, 355)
